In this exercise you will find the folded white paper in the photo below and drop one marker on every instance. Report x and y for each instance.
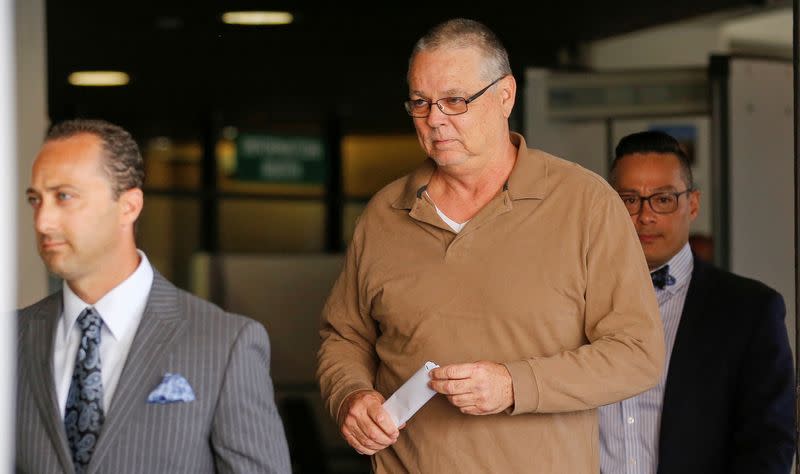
(411, 396)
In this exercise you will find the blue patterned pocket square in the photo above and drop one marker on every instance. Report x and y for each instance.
(174, 388)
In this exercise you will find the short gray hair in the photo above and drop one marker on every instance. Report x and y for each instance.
(464, 33)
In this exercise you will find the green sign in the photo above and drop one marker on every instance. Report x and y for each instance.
(280, 159)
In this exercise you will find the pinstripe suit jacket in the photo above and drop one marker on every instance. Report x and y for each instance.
(232, 426)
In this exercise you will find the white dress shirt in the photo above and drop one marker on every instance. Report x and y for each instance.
(121, 310)
(629, 430)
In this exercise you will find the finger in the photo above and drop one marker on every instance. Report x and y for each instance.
(362, 450)
(365, 443)
(360, 423)
(357, 445)
(462, 400)
(374, 437)
(452, 387)
(470, 410)
(384, 421)
(355, 404)
(455, 371)
(353, 427)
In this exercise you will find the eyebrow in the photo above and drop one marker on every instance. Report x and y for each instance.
(51, 188)
(656, 190)
(455, 92)
(447, 93)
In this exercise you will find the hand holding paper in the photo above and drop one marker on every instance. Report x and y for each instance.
(364, 423)
(478, 388)
(369, 426)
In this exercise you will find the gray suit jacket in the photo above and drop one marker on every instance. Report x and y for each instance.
(232, 426)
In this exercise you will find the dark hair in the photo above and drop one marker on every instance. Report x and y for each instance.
(123, 163)
(652, 141)
(463, 33)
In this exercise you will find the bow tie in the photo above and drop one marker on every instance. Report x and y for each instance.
(662, 278)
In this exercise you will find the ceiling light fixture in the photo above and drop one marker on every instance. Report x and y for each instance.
(98, 78)
(257, 18)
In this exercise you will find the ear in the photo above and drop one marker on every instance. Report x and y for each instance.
(694, 204)
(508, 94)
(131, 202)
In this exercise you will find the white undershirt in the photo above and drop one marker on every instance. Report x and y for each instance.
(121, 309)
(450, 222)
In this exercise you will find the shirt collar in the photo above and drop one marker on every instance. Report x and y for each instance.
(528, 179)
(121, 308)
(680, 267)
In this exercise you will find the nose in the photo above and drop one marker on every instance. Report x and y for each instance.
(436, 117)
(43, 218)
(646, 214)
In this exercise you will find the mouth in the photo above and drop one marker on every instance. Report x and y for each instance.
(49, 245)
(648, 238)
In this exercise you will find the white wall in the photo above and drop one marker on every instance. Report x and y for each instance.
(769, 32)
(8, 194)
(761, 31)
(580, 142)
(681, 45)
(32, 123)
(761, 173)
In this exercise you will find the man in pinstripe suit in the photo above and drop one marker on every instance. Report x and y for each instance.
(169, 383)
(726, 401)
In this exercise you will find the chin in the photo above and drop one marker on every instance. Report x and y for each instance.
(449, 160)
(58, 271)
(57, 266)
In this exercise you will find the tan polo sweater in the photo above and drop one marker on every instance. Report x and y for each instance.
(549, 279)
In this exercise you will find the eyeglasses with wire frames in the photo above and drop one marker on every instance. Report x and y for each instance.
(660, 203)
(420, 108)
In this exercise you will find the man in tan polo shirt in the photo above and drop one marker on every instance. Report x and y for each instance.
(517, 272)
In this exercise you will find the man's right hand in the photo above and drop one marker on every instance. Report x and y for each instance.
(364, 423)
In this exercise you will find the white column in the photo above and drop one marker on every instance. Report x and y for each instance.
(31, 94)
(8, 198)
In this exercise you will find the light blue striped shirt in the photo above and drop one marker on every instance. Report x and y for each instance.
(629, 429)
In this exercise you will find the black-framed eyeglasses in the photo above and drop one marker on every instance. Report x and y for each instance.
(660, 203)
(448, 105)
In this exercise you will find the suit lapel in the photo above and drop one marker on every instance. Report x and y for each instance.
(41, 330)
(161, 323)
(684, 357)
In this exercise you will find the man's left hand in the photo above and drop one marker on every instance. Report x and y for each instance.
(479, 388)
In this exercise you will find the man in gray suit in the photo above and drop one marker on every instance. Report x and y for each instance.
(120, 371)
